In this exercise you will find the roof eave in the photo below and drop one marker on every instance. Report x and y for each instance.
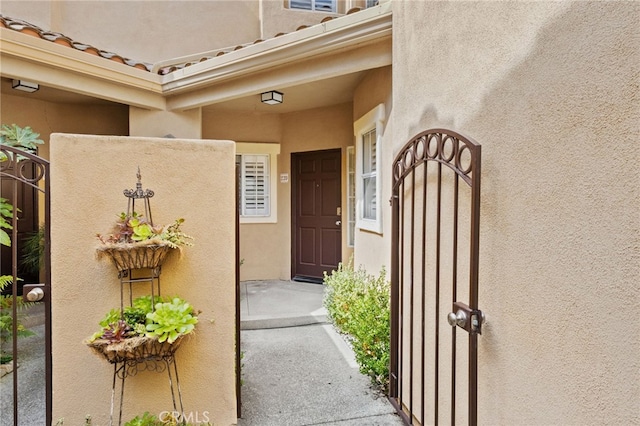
(34, 59)
(336, 36)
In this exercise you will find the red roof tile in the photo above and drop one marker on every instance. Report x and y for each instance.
(32, 30)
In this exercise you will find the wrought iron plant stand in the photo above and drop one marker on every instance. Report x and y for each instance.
(139, 264)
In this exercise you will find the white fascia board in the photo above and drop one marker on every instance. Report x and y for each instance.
(346, 32)
(367, 57)
(65, 68)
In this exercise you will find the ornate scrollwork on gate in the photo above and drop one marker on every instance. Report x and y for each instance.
(22, 166)
(435, 229)
(444, 146)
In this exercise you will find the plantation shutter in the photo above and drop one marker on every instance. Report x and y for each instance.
(369, 175)
(255, 185)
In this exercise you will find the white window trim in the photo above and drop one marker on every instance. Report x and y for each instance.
(314, 7)
(374, 119)
(351, 197)
(271, 149)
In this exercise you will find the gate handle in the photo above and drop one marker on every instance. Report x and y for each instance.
(36, 294)
(459, 318)
(464, 317)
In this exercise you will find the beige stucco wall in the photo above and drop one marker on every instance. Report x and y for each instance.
(375, 89)
(550, 89)
(183, 124)
(266, 248)
(145, 30)
(88, 176)
(314, 130)
(277, 17)
(262, 248)
(51, 117)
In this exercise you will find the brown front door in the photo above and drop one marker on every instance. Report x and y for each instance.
(316, 214)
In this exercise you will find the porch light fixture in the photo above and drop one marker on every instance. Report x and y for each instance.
(25, 86)
(272, 97)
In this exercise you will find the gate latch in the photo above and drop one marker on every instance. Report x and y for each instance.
(33, 292)
(464, 317)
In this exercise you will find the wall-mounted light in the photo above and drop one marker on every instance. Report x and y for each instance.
(25, 86)
(272, 97)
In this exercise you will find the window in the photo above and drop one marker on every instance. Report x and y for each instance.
(254, 184)
(369, 175)
(368, 131)
(257, 186)
(351, 195)
(371, 3)
(316, 5)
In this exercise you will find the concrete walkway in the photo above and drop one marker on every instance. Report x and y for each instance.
(296, 369)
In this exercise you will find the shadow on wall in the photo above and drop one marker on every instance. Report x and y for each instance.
(560, 155)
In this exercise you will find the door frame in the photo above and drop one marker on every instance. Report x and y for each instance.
(294, 199)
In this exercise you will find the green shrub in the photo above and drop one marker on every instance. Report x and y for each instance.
(358, 305)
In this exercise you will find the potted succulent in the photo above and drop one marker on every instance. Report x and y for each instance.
(144, 330)
(136, 243)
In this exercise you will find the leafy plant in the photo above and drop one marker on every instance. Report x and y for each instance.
(135, 228)
(168, 419)
(117, 331)
(133, 315)
(33, 251)
(144, 303)
(6, 301)
(6, 214)
(6, 315)
(145, 420)
(171, 320)
(358, 305)
(175, 237)
(20, 137)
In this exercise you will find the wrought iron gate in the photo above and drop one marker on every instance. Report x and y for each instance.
(24, 170)
(435, 236)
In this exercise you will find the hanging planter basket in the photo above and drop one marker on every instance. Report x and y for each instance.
(134, 349)
(135, 256)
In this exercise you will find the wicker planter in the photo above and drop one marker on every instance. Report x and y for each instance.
(134, 349)
(133, 256)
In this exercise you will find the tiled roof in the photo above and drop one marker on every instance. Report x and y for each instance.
(58, 38)
(170, 68)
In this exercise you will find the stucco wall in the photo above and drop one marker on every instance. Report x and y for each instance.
(50, 117)
(184, 124)
(550, 89)
(312, 130)
(145, 30)
(262, 247)
(88, 176)
(266, 248)
(375, 89)
(277, 17)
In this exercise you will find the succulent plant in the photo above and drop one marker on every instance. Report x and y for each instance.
(117, 331)
(133, 228)
(171, 320)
